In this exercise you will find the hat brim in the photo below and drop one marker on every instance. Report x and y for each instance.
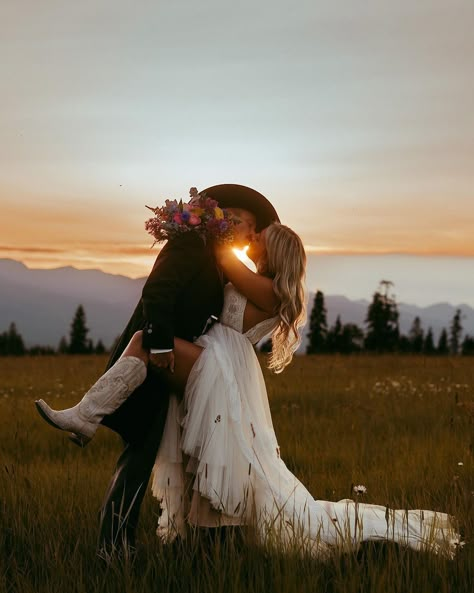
(232, 195)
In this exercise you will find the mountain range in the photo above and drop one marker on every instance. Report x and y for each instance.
(42, 303)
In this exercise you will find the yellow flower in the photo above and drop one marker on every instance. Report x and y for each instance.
(218, 213)
(197, 211)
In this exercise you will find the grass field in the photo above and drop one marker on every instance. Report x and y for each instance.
(402, 426)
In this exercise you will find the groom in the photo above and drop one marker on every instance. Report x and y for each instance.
(183, 290)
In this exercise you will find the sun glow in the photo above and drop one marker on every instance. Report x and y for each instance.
(243, 257)
(241, 253)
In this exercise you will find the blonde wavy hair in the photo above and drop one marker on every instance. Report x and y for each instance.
(285, 263)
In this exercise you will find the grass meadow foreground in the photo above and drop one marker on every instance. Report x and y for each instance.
(401, 426)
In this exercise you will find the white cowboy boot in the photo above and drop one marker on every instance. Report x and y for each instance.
(103, 398)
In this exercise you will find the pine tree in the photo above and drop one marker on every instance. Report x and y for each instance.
(428, 346)
(334, 336)
(3, 344)
(318, 328)
(100, 348)
(382, 321)
(351, 339)
(416, 336)
(14, 342)
(78, 342)
(443, 343)
(404, 344)
(63, 346)
(467, 348)
(455, 333)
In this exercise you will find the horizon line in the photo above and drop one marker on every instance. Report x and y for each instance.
(135, 250)
(101, 264)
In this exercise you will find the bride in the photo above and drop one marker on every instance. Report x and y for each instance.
(220, 438)
(219, 462)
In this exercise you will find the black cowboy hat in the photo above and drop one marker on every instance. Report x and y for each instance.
(232, 195)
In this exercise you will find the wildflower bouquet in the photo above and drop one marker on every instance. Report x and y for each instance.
(200, 215)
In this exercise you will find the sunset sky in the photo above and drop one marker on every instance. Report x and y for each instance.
(354, 118)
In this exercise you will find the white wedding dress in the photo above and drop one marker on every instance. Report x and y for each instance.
(222, 432)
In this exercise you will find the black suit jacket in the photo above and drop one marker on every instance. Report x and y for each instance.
(183, 289)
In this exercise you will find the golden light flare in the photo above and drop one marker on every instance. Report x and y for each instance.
(241, 253)
(244, 258)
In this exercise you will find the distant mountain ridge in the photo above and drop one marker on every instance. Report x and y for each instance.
(42, 304)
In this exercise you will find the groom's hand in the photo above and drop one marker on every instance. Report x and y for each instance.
(163, 360)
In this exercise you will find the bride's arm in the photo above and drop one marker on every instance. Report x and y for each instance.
(256, 288)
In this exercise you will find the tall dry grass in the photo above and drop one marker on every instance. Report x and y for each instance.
(399, 425)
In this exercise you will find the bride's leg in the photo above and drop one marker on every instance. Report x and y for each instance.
(135, 348)
(104, 397)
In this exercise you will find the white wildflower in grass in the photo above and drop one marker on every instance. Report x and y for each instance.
(360, 489)
(460, 463)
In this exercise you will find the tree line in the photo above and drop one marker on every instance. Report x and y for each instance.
(382, 332)
(12, 343)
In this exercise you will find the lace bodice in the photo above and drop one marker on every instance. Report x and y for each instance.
(233, 316)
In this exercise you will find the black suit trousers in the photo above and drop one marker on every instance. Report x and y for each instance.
(123, 499)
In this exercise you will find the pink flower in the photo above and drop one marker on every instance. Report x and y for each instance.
(177, 218)
(194, 220)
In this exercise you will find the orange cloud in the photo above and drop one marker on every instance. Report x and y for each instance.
(16, 249)
(128, 260)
